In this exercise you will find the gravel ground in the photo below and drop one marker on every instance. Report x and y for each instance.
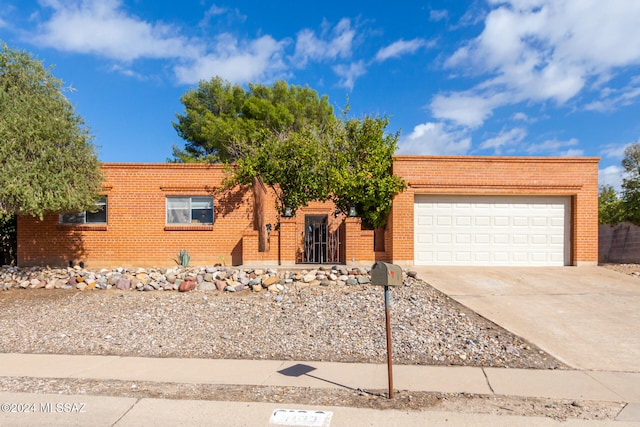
(335, 323)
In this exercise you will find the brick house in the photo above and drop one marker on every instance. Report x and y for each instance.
(455, 211)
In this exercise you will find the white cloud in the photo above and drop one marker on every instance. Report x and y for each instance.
(234, 61)
(504, 139)
(399, 48)
(435, 138)
(464, 108)
(102, 28)
(613, 151)
(611, 175)
(614, 98)
(128, 72)
(556, 147)
(541, 50)
(213, 11)
(438, 15)
(332, 43)
(349, 73)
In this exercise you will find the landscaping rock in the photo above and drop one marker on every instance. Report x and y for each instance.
(188, 284)
(123, 284)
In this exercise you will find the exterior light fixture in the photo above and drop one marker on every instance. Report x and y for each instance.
(288, 212)
(352, 211)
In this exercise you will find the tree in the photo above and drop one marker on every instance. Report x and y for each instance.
(631, 183)
(288, 137)
(610, 209)
(47, 161)
(294, 164)
(224, 122)
(361, 169)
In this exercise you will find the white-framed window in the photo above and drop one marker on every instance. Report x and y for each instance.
(190, 210)
(86, 217)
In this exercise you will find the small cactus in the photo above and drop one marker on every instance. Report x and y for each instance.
(183, 258)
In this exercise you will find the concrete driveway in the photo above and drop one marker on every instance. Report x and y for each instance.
(587, 317)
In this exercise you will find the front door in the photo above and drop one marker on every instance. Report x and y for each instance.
(315, 239)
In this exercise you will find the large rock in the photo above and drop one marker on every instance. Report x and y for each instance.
(363, 280)
(188, 284)
(207, 286)
(220, 285)
(270, 281)
(123, 283)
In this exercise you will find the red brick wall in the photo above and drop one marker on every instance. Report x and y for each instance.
(137, 234)
(575, 177)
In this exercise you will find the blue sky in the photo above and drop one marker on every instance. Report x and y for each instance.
(477, 77)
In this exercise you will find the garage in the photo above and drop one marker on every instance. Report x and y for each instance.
(492, 230)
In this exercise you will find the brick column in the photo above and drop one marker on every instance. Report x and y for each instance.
(288, 244)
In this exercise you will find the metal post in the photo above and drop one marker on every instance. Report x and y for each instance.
(389, 349)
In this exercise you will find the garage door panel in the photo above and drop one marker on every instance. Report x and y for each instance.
(462, 221)
(425, 238)
(463, 238)
(501, 256)
(519, 239)
(501, 221)
(425, 220)
(443, 256)
(520, 221)
(557, 240)
(557, 222)
(462, 256)
(482, 239)
(539, 221)
(501, 239)
(444, 220)
(482, 221)
(443, 238)
(492, 230)
(482, 256)
(538, 239)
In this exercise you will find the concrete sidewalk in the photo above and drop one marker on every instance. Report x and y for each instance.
(578, 385)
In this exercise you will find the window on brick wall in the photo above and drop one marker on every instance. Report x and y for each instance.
(86, 217)
(189, 210)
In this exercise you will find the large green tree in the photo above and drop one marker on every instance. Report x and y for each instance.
(224, 122)
(294, 164)
(610, 208)
(361, 174)
(47, 161)
(288, 137)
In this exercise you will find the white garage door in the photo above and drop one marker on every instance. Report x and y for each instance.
(492, 230)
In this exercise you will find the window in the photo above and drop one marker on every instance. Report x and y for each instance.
(97, 217)
(189, 210)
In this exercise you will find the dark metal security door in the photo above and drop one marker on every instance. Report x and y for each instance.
(315, 239)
